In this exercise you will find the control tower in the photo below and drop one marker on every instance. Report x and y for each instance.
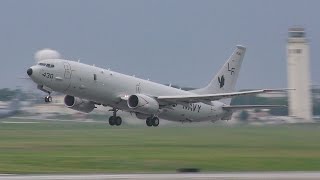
(300, 102)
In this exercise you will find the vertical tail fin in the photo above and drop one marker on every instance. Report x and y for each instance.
(225, 80)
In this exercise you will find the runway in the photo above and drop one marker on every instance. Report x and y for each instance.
(191, 176)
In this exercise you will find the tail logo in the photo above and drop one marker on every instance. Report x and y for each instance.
(221, 81)
(231, 70)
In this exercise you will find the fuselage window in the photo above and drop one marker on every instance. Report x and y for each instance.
(51, 65)
(94, 77)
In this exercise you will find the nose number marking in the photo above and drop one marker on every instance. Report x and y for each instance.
(47, 75)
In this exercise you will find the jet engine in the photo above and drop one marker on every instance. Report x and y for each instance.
(143, 104)
(78, 104)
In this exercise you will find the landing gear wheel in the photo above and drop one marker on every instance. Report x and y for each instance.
(155, 121)
(112, 120)
(149, 122)
(118, 121)
(48, 99)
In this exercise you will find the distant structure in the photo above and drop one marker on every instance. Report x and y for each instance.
(300, 101)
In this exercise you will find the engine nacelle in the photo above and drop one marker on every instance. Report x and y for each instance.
(143, 104)
(78, 104)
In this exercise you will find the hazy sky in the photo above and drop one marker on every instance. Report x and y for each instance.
(182, 42)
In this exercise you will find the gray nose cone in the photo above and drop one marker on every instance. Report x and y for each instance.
(29, 71)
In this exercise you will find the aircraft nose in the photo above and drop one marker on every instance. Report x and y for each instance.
(29, 71)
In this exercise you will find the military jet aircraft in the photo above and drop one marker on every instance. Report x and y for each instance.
(87, 86)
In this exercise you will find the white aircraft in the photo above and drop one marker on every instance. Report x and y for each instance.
(86, 86)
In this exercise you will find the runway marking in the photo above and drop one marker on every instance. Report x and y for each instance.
(194, 176)
(59, 120)
(18, 122)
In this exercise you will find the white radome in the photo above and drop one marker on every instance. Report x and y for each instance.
(46, 54)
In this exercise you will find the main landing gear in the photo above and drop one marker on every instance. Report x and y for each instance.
(152, 121)
(115, 120)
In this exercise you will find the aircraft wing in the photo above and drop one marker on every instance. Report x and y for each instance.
(241, 107)
(207, 98)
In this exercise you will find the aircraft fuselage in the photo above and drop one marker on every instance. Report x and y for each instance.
(108, 88)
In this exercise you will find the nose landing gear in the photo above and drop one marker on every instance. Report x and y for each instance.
(45, 89)
(48, 99)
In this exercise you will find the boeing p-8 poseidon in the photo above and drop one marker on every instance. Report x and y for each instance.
(87, 86)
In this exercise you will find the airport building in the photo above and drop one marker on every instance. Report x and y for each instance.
(300, 100)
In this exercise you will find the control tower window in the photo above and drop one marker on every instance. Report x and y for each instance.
(295, 51)
(297, 34)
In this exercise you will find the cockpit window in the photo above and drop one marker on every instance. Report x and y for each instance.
(47, 65)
